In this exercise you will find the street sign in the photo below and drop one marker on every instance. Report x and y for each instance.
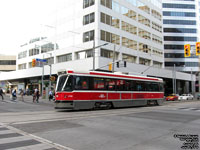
(40, 62)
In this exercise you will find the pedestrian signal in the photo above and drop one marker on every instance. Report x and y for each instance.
(197, 48)
(187, 50)
(33, 62)
(110, 67)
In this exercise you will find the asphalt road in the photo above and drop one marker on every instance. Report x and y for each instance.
(28, 125)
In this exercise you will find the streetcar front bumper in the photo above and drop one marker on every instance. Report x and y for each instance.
(64, 104)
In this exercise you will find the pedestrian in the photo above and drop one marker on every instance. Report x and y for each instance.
(14, 94)
(34, 95)
(50, 95)
(37, 96)
(22, 94)
(1, 94)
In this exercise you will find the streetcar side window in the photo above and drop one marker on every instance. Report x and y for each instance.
(161, 87)
(61, 82)
(98, 84)
(153, 86)
(81, 83)
(120, 85)
(110, 84)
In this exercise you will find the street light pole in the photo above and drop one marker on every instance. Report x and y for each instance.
(42, 75)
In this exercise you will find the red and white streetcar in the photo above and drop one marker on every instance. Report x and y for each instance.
(100, 89)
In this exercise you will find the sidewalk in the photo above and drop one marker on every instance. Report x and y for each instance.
(29, 99)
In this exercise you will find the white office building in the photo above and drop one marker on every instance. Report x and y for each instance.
(87, 34)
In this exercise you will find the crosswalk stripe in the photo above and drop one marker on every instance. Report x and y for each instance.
(14, 139)
(6, 131)
(41, 146)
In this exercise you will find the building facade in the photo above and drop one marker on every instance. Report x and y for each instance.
(132, 28)
(180, 27)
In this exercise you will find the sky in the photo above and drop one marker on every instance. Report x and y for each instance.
(21, 20)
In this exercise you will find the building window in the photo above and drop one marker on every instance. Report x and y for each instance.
(112, 21)
(157, 52)
(110, 37)
(7, 62)
(156, 27)
(181, 6)
(22, 54)
(88, 36)
(144, 34)
(84, 54)
(182, 14)
(180, 38)
(156, 14)
(144, 48)
(129, 58)
(143, 61)
(143, 20)
(156, 39)
(180, 22)
(33, 51)
(64, 58)
(129, 43)
(143, 7)
(88, 3)
(88, 19)
(47, 47)
(22, 66)
(157, 64)
(180, 30)
(108, 53)
(129, 28)
(107, 3)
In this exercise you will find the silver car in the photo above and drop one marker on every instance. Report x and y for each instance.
(186, 97)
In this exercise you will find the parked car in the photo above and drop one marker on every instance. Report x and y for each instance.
(172, 97)
(186, 97)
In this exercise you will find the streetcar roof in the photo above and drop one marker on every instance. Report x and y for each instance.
(114, 75)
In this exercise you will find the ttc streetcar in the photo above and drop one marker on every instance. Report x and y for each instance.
(100, 89)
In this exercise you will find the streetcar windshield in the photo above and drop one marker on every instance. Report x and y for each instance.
(61, 82)
(64, 83)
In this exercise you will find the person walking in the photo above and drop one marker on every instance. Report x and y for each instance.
(37, 96)
(14, 94)
(1, 94)
(22, 94)
(50, 95)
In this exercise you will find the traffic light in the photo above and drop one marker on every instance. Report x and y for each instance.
(197, 48)
(52, 78)
(187, 50)
(110, 67)
(33, 62)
